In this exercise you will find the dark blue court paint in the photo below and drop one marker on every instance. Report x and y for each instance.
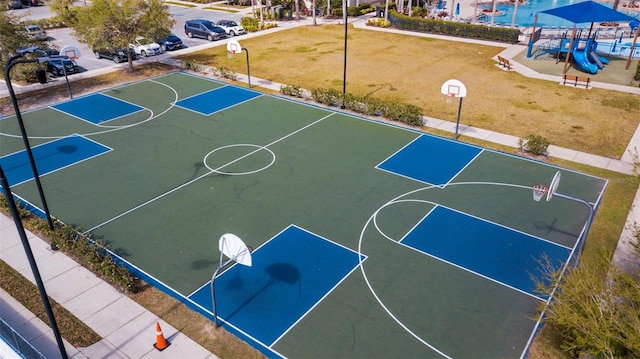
(290, 274)
(218, 99)
(431, 160)
(50, 157)
(97, 108)
(496, 252)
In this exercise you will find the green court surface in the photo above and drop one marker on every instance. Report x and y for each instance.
(438, 241)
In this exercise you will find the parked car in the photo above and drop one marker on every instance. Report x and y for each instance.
(145, 48)
(117, 55)
(170, 43)
(32, 2)
(46, 52)
(231, 27)
(35, 32)
(58, 65)
(204, 29)
(14, 4)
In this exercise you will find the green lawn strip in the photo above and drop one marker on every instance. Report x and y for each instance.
(220, 9)
(179, 4)
(21, 289)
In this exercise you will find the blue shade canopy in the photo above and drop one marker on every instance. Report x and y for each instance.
(587, 11)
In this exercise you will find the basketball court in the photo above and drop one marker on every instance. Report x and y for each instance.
(356, 238)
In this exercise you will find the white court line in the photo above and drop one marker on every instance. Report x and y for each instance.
(204, 175)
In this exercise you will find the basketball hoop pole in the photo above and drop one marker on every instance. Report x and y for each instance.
(248, 70)
(236, 254)
(232, 47)
(458, 120)
(454, 88)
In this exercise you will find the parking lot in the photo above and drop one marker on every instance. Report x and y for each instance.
(62, 37)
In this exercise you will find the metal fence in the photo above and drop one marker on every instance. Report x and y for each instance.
(18, 343)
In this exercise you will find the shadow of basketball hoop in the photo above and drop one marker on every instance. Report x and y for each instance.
(283, 272)
(278, 272)
(67, 149)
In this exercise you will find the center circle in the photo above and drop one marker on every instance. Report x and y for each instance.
(222, 159)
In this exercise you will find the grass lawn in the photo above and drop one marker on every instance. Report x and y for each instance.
(412, 69)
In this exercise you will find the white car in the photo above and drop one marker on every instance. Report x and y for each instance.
(35, 32)
(231, 27)
(144, 48)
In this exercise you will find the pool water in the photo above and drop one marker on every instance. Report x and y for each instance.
(526, 13)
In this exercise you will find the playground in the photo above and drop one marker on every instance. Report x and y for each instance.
(366, 237)
(580, 45)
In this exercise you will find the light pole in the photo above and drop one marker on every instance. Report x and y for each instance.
(32, 262)
(14, 60)
(344, 71)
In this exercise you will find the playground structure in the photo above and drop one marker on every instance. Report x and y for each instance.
(582, 49)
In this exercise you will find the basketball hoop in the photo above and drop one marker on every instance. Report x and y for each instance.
(450, 97)
(539, 190)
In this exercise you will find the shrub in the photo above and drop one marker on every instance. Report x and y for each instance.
(226, 73)
(250, 24)
(408, 114)
(353, 11)
(92, 254)
(379, 22)
(437, 26)
(191, 64)
(536, 145)
(291, 90)
(329, 97)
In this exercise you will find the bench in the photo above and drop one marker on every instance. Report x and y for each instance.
(577, 80)
(504, 62)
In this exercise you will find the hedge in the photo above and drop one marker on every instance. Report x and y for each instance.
(442, 27)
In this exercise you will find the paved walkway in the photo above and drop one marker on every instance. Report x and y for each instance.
(129, 329)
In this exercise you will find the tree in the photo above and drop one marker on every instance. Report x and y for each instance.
(12, 38)
(596, 308)
(117, 23)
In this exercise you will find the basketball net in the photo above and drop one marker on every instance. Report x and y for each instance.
(230, 54)
(539, 190)
(450, 97)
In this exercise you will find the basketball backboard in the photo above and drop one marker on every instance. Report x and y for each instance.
(453, 88)
(234, 248)
(233, 46)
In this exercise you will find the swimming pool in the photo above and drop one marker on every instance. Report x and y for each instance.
(527, 11)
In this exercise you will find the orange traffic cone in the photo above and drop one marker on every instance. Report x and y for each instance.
(161, 343)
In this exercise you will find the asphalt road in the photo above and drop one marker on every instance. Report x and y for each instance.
(60, 38)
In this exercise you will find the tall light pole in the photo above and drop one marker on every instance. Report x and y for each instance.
(14, 60)
(32, 262)
(344, 72)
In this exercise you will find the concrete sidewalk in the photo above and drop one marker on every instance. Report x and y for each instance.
(129, 329)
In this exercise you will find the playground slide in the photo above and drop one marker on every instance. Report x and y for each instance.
(596, 59)
(581, 58)
(594, 53)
